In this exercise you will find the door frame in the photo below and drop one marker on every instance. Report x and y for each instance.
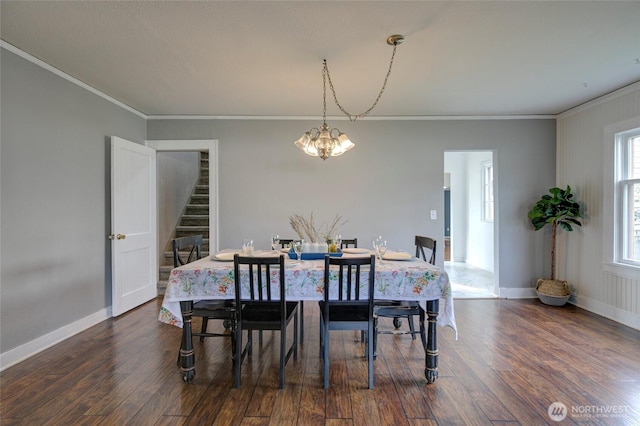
(496, 215)
(199, 145)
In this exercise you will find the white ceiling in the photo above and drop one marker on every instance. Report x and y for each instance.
(264, 58)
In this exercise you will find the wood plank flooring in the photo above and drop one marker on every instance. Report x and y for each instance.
(513, 359)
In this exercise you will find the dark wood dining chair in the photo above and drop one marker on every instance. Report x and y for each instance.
(398, 309)
(286, 242)
(353, 242)
(260, 309)
(347, 308)
(186, 250)
(429, 244)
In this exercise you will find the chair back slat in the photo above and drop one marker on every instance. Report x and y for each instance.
(349, 270)
(193, 243)
(349, 242)
(428, 243)
(259, 276)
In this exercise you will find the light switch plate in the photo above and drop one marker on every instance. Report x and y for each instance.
(434, 215)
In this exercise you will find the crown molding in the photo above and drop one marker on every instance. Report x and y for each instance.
(599, 100)
(85, 86)
(368, 118)
(11, 48)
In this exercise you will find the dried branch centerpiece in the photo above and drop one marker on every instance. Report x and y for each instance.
(316, 237)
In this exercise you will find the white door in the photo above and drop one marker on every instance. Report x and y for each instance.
(134, 264)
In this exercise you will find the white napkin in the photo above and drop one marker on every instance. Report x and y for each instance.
(396, 255)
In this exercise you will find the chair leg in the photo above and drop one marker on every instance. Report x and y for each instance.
(295, 338)
(412, 328)
(237, 362)
(301, 322)
(375, 337)
(205, 322)
(370, 332)
(423, 334)
(283, 353)
(325, 345)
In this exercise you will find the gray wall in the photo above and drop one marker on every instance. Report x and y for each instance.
(385, 186)
(54, 192)
(54, 185)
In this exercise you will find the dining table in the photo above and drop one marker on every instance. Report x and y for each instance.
(398, 276)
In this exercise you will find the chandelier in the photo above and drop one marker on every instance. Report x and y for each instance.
(325, 142)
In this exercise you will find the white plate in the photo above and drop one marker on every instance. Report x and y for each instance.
(224, 257)
(397, 255)
(355, 250)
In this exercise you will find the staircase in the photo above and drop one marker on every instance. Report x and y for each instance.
(194, 220)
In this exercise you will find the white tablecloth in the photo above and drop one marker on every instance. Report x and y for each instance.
(208, 278)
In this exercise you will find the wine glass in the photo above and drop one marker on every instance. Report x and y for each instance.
(375, 243)
(338, 241)
(247, 246)
(275, 241)
(381, 248)
(297, 247)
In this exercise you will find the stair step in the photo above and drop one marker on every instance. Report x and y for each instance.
(200, 199)
(202, 189)
(197, 209)
(194, 220)
(184, 231)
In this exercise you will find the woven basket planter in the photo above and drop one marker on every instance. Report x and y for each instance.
(553, 292)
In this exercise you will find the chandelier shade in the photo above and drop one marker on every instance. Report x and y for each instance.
(325, 142)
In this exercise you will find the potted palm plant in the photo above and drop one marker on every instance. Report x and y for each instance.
(557, 209)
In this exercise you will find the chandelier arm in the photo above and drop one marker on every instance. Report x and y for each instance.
(354, 117)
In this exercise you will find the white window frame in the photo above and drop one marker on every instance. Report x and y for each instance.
(623, 202)
(615, 181)
(488, 191)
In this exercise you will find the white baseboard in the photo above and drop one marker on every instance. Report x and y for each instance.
(517, 293)
(14, 356)
(611, 312)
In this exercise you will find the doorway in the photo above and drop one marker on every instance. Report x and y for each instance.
(470, 223)
(210, 146)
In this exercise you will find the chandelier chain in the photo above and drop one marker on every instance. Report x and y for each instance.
(353, 117)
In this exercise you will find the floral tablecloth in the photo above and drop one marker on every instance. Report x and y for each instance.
(208, 278)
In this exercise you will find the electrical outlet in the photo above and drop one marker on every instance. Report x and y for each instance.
(434, 215)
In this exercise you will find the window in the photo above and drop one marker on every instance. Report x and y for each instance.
(487, 191)
(627, 197)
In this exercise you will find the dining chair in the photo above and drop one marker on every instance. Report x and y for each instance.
(260, 308)
(398, 309)
(349, 243)
(346, 307)
(186, 250)
(429, 244)
(286, 242)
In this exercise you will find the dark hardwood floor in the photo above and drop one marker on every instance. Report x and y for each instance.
(513, 359)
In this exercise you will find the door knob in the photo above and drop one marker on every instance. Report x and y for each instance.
(121, 237)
